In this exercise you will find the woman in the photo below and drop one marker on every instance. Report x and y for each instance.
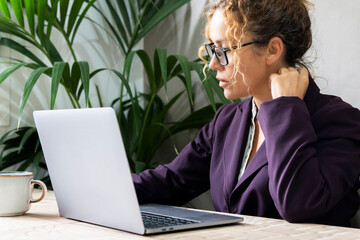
(288, 151)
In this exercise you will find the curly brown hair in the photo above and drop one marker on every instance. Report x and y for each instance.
(263, 20)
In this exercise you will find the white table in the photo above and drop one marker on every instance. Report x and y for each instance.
(43, 222)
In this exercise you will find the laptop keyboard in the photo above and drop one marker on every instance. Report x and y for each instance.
(157, 221)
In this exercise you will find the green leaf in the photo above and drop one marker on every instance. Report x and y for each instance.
(113, 30)
(57, 73)
(118, 22)
(168, 8)
(9, 70)
(18, 10)
(184, 63)
(85, 78)
(74, 12)
(11, 28)
(11, 159)
(21, 49)
(144, 57)
(160, 67)
(64, 4)
(79, 21)
(26, 137)
(36, 161)
(195, 120)
(72, 83)
(99, 95)
(124, 14)
(41, 7)
(30, 13)
(25, 165)
(5, 9)
(54, 55)
(139, 167)
(50, 20)
(34, 76)
(161, 116)
(128, 63)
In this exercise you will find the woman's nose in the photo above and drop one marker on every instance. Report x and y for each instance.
(214, 63)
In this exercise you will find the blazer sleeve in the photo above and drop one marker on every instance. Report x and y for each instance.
(184, 178)
(313, 161)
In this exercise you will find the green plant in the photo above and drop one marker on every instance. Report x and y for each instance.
(141, 115)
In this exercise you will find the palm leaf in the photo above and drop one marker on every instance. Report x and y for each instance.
(160, 68)
(9, 70)
(124, 14)
(50, 20)
(4, 8)
(184, 63)
(74, 12)
(57, 73)
(113, 30)
(30, 13)
(34, 76)
(144, 57)
(21, 49)
(85, 78)
(18, 10)
(168, 8)
(13, 29)
(64, 4)
(41, 6)
(36, 162)
(26, 137)
(118, 23)
(195, 120)
(80, 19)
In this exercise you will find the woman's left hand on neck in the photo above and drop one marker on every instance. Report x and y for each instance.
(289, 82)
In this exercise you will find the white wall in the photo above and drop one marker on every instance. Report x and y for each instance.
(336, 42)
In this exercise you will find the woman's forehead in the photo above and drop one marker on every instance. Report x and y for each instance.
(217, 27)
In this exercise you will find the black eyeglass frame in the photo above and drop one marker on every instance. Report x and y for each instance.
(224, 50)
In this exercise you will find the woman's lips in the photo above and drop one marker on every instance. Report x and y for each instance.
(223, 83)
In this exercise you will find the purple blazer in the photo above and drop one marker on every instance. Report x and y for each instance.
(306, 170)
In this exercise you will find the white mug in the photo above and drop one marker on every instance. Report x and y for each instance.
(16, 190)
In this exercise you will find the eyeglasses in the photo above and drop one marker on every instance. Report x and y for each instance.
(220, 52)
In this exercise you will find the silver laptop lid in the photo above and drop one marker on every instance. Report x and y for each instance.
(86, 187)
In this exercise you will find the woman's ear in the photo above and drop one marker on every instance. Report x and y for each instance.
(275, 51)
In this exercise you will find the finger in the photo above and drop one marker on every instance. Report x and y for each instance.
(303, 72)
(292, 69)
(272, 77)
(283, 70)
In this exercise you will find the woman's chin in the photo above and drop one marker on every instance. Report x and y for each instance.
(232, 96)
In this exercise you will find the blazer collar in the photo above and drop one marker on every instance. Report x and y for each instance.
(259, 159)
(312, 93)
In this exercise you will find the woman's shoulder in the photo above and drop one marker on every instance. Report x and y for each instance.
(336, 107)
(231, 113)
(232, 108)
(336, 115)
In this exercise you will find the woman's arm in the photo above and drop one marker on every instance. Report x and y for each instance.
(184, 178)
(311, 167)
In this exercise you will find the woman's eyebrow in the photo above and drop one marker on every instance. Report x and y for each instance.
(219, 42)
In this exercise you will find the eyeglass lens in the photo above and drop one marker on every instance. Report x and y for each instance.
(219, 53)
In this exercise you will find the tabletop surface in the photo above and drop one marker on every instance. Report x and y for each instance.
(43, 222)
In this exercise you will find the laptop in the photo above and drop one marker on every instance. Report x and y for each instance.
(91, 178)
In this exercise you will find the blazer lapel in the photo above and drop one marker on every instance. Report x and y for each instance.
(258, 161)
(234, 147)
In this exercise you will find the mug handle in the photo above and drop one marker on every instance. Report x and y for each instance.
(43, 188)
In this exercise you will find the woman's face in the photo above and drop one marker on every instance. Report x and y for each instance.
(253, 80)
